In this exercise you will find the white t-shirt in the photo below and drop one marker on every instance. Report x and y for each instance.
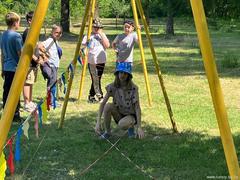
(97, 53)
(54, 58)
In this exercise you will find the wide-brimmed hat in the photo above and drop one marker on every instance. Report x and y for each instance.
(97, 23)
(124, 67)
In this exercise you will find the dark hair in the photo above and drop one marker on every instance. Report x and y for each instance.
(130, 22)
(117, 80)
(29, 15)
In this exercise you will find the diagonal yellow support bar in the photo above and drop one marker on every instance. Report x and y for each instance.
(74, 62)
(158, 71)
(141, 51)
(22, 69)
(90, 20)
(215, 88)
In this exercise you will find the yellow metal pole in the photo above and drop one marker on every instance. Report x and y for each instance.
(215, 88)
(90, 19)
(170, 113)
(61, 121)
(141, 51)
(22, 69)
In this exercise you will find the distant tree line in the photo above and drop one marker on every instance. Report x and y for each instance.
(62, 10)
(109, 8)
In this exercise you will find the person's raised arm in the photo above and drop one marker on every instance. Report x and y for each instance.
(100, 112)
(136, 36)
(114, 44)
(105, 41)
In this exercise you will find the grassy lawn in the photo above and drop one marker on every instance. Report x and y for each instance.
(195, 153)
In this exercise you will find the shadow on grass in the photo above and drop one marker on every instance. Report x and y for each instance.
(65, 153)
(188, 67)
(188, 64)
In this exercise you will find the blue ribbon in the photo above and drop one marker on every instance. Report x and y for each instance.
(70, 67)
(80, 60)
(64, 82)
(17, 147)
(40, 114)
(82, 52)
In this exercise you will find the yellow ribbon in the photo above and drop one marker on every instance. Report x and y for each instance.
(3, 166)
(44, 110)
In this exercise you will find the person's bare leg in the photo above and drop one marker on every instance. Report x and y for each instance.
(126, 122)
(26, 93)
(109, 112)
(30, 92)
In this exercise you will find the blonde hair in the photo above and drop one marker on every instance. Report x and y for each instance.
(12, 18)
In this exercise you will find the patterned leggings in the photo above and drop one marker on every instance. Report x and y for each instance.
(96, 71)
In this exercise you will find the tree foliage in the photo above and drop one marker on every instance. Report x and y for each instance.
(77, 8)
(113, 8)
(120, 8)
(222, 8)
(109, 8)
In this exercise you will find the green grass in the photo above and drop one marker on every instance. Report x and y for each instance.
(195, 153)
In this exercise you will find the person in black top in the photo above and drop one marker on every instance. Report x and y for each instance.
(29, 105)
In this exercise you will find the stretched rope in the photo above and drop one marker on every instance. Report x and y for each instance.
(125, 156)
(100, 157)
(31, 160)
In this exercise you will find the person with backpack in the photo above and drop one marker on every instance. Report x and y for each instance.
(50, 68)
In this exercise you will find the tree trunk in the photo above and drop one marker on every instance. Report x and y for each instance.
(147, 12)
(96, 12)
(116, 22)
(169, 24)
(65, 16)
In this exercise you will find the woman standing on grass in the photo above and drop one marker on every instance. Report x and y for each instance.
(125, 108)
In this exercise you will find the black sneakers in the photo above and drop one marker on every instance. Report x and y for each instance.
(95, 99)
(92, 100)
(99, 97)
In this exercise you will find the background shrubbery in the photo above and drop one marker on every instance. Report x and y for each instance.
(109, 8)
(230, 60)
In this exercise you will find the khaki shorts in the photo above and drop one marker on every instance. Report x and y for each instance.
(32, 75)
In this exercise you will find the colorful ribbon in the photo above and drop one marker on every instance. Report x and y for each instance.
(10, 159)
(25, 128)
(48, 99)
(3, 166)
(17, 147)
